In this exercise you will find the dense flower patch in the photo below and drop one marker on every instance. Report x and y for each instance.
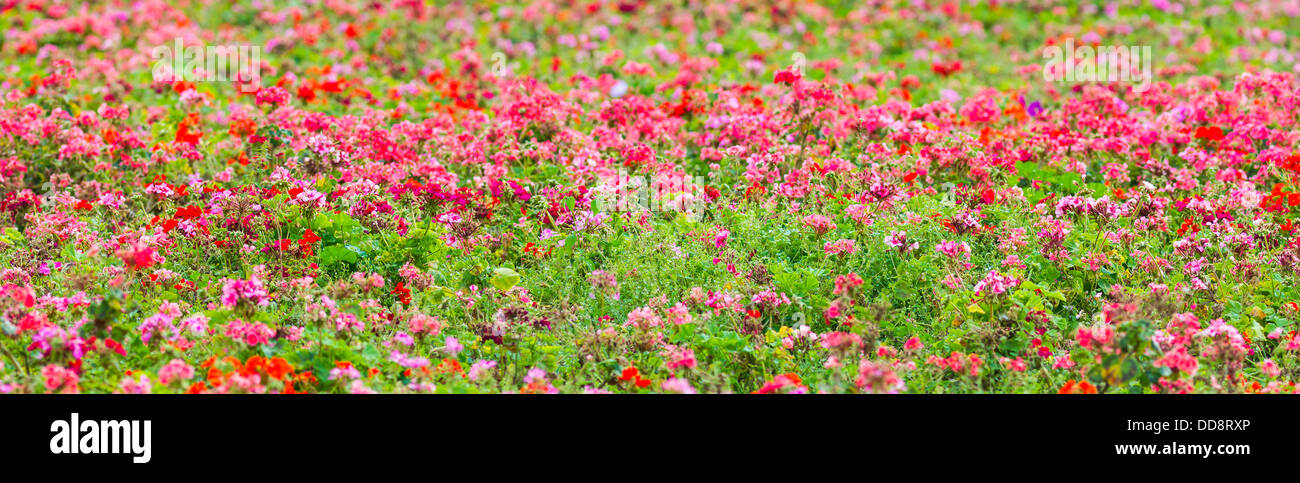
(890, 197)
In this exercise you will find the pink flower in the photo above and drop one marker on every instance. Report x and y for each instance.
(1270, 368)
(769, 299)
(720, 240)
(161, 322)
(344, 370)
(995, 283)
(480, 368)
(878, 377)
(841, 341)
(1095, 261)
(135, 386)
(59, 379)
(678, 385)
(913, 344)
(679, 314)
(1178, 360)
(842, 246)
(1062, 361)
(249, 291)
(953, 249)
(272, 95)
(845, 283)
(453, 346)
(1095, 337)
(535, 375)
(175, 371)
(1017, 365)
(1013, 261)
(886, 351)
(644, 318)
(424, 325)
(359, 387)
(819, 223)
(678, 358)
(898, 240)
(833, 311)
(249, 333)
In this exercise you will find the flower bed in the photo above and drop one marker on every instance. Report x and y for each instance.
(637, 197)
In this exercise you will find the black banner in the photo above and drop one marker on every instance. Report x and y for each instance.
(326, 433)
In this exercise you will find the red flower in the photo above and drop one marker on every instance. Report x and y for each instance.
(188, 213)
(242, 159)
(309, 237)
(712, 192)
(1211, 133)
(306, 93)
(449, 366)
(780, 382)
(1081, 387)
(279, 368)
(138, 257)
(183, 132)
(242, 127)
(788, 77)
(115, 346)
(946, 69)
(631, 374)
(403, 293)
(1292, 163)
(333, 86)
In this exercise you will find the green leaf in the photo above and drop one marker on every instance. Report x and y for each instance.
(336, 254)
(504, 278)
(371, 354)
(571, 243)
(1080, 356)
